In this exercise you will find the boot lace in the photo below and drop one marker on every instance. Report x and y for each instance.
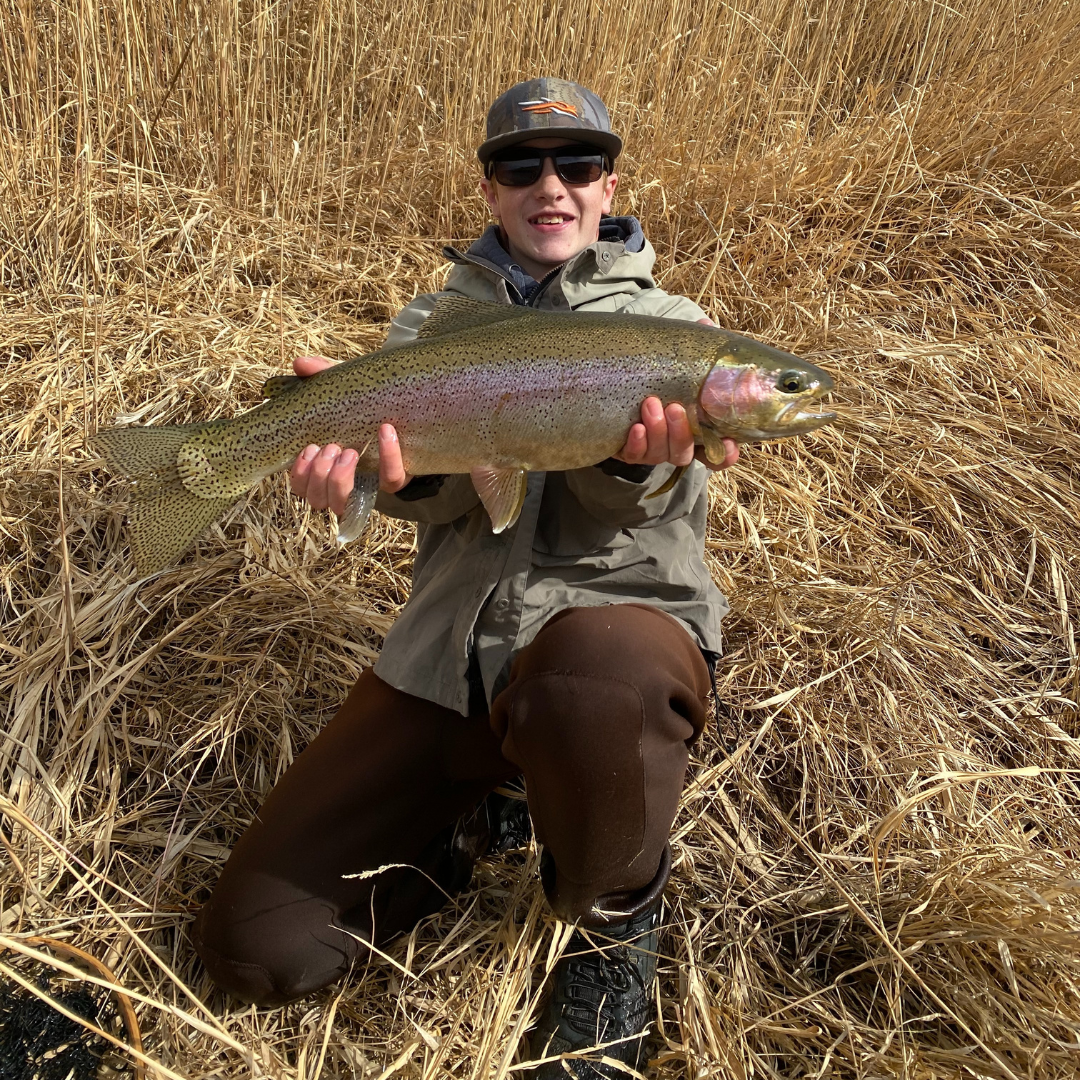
(606, 995)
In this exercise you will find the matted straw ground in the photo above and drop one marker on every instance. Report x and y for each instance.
(876, 857)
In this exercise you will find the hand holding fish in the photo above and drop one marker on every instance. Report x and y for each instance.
(325, 475)
(664, 435)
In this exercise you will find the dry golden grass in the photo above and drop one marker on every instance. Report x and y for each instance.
(876, 860)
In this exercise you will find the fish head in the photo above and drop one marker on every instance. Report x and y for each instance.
(755, 392)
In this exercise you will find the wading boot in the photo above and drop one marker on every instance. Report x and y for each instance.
(603, 998)
(499, 824)
(508, 817)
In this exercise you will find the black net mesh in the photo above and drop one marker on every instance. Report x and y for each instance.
(39, 1043)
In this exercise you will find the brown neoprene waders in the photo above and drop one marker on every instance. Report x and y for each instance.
(598, 715)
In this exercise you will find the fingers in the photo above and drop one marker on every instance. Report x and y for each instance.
(647, 440)
(679, 436)
(637, 444)
(656, 432)
(392, 474)
(663, 435)
(324, 477)
(310, 365)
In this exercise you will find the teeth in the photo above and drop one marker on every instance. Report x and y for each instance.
(550, 220)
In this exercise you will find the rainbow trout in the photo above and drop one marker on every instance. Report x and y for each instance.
(488, 389)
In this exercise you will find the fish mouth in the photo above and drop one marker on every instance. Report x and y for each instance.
(796, 419)
(810, 421)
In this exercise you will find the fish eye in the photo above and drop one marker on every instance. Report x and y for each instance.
(791, 382)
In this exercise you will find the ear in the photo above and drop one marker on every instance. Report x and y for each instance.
(610, 184)
(491, 195)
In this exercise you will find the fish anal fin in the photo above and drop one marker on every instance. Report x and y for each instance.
(669, 483)
(280, 384)
(358, 507)
(453, 313)
(502, 491)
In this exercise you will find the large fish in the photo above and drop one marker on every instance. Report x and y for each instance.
(487, 389)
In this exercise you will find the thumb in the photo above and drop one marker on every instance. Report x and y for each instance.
(310, 365)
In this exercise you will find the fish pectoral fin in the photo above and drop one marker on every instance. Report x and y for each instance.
(280, 384)
(715, 450)
(668, 484)
(502, 491)
(358, 507)
(453, 313)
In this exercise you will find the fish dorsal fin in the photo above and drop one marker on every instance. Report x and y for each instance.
(280, 384)
(502, 491)
(453, 313)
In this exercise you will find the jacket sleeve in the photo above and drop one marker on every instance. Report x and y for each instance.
(406, 324)
(665, 305)
(624, 503)
(457, 496)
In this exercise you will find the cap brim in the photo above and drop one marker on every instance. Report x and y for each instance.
(608, 141)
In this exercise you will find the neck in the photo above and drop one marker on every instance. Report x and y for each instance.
(536, 270)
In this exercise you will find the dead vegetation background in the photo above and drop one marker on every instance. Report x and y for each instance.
(876, 860)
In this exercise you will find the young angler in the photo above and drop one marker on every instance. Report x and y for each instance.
(573, 649)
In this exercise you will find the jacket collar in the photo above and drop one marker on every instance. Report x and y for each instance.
(617, 235)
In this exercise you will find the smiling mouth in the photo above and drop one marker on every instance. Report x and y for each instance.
(550, 219)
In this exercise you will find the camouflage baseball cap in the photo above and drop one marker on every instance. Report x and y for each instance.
(539, 108)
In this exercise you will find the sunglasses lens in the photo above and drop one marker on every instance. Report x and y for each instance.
(579, 168)
(518, 173)
(572, 168)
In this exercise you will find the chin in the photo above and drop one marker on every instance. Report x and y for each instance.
(557, 254)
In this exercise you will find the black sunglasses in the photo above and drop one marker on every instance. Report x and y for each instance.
(523, 166)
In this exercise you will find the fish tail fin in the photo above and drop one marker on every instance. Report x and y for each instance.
(164, 517)
(144, 453)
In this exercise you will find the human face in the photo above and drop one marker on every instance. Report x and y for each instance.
(551, 221)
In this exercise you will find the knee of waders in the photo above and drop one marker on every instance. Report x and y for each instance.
(578, 740)
(269, 944)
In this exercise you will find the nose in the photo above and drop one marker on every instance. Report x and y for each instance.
(549, 185)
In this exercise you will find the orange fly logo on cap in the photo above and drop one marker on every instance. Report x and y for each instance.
(547, 105)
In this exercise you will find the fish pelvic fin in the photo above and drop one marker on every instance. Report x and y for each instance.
(502, 491)
(164, 517)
